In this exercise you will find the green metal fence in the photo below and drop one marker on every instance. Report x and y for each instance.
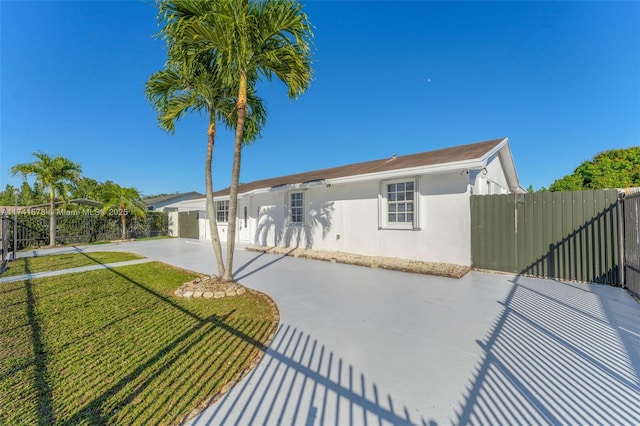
(33, 229)
(564, 235)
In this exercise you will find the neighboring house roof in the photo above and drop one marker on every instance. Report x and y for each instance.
(457, 156)
(168, 199)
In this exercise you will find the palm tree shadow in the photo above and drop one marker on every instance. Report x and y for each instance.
(41, 382)
(274, 229)
(238, 277)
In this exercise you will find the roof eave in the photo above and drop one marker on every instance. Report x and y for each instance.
(506, 159)
(474, 164)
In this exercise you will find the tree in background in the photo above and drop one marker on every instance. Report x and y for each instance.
(617, 168)
(55, 174)
(122, 202)
(26, 195)
(191, 82)
(251, 41)
(88, 188)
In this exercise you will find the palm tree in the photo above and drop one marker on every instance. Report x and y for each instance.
(191, 82)
(252, 40)
(54, 174)
(122, 202)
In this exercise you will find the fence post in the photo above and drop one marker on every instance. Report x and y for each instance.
(5, 243)
(621, 235)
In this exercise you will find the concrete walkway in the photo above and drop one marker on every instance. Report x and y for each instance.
(365, 346)
(71, 270)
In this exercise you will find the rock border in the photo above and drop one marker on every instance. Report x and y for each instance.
(447, 270)
(198, 288)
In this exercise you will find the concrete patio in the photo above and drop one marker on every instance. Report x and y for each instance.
(368, 346)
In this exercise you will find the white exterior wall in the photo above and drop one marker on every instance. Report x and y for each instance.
(346, 217)
(205, 230)
(494, 181)
(173, 224)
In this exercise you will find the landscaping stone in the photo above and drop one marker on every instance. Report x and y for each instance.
(208, 288)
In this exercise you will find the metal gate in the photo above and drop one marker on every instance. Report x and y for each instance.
(188, 225)
(632, 242)
(563, 235)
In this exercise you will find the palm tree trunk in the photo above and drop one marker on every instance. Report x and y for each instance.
(235, 176)
(211, 213)
(123, 223)
(52, 218)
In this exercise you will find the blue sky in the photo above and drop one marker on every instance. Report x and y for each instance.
(560, 79)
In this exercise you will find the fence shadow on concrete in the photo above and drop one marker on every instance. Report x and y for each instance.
(585, 366)
(300, 381)
(589, 253)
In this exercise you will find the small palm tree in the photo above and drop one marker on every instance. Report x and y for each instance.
(191, 82)
(122, 202)
(251, 40)
(54, 174)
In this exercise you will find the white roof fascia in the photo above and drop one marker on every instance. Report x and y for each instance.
(392, 174)
(494, 150)
(506, 159)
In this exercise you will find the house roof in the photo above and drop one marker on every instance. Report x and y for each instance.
(474, 151)
(165, 199)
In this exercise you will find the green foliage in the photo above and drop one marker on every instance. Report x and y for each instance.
(56, 175)
(617, 168)
(240, 42)
(85, 225)
(87, 188)
(119, 201)
(162, 194)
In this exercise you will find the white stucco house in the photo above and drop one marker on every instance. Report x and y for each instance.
(412, 206)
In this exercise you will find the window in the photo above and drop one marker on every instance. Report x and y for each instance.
(297, 208)
(222, 211)
(399, 207)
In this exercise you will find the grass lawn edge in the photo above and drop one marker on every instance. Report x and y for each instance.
(240, 375)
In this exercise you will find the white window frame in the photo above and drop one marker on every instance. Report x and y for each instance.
(225, 212)
(384, 204)
(291, 208)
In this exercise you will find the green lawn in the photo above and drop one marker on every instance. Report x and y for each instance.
(116, 347)
(31, 265)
